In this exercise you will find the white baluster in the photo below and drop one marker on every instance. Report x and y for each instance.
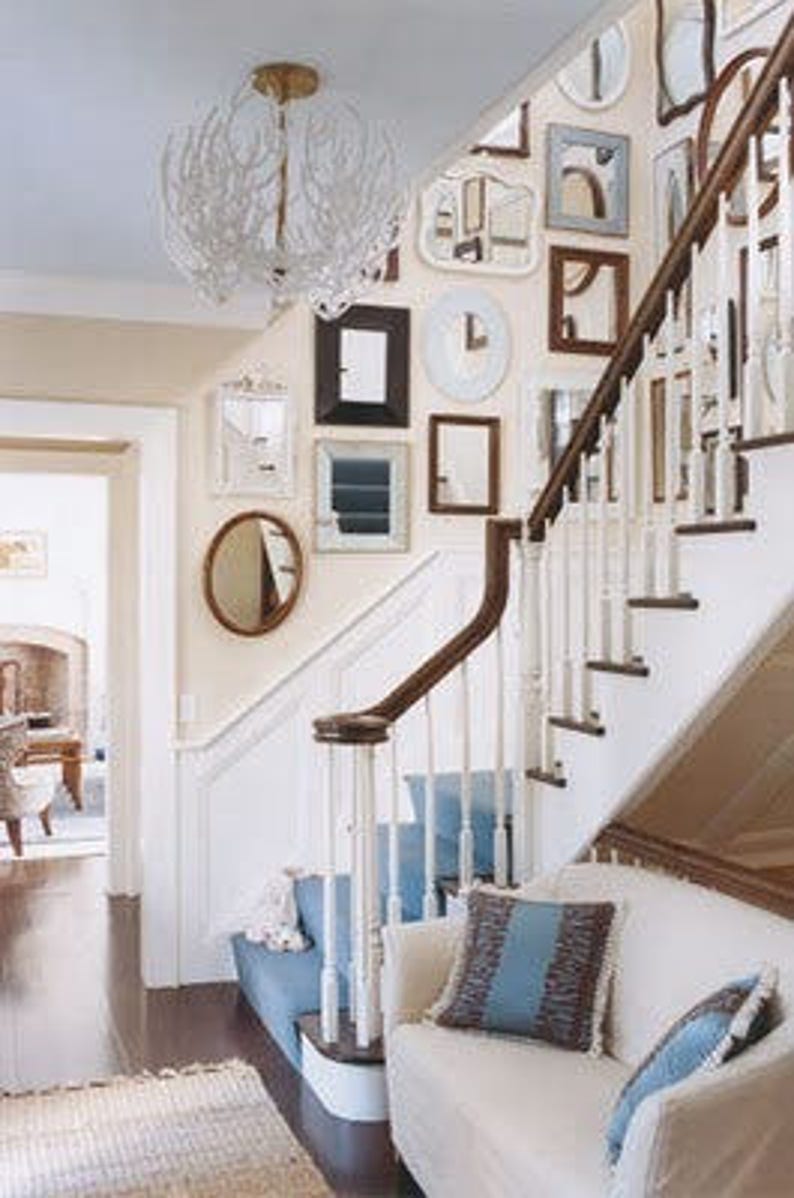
(500, 825)
(584, 672)
(785, 210)
(625, 449)
(329, 983)
(646, 435)
(531, 706)
(753, 413)
(547, 746)
(368, 974)
(357, 915)
(605, 599)
(672, 437)
(566, 599)
(430, 901)
(466, 840)
(394, 906)
(697, 461)
(724, 465)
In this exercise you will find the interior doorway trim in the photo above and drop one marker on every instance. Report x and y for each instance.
(153, 430)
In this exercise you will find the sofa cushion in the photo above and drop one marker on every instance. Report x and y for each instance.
(533, 969)
(480, 1116)
(713, 1031)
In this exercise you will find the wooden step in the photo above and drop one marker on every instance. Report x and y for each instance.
(632, 669)
(705, 527)
(764, 442)
(546, 778)
(588, 727)
(345, 1050)
(665, 602)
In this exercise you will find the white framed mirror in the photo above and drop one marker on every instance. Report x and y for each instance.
(466, 344)
(597, 77)
(253, 450)
(476, 222)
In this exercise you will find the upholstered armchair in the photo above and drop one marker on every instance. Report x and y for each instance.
(24, 789)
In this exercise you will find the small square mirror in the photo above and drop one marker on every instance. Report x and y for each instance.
(588, 180)
(464, 465)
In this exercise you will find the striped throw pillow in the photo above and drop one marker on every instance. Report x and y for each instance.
(535, 969)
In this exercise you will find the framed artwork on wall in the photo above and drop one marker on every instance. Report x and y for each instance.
(597, 77)
(684, 56)
(361, 497)
(23, 555)
(587, 180)
(510, 137)
(463, 465)
(362, 367)
(588, 300)
(673, 186)
(476, 222)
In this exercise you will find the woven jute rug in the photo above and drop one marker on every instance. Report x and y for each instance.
(202, 1132)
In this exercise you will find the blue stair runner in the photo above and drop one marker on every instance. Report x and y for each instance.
(283, 986)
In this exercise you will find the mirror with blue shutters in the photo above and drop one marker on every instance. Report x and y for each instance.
(361, 501)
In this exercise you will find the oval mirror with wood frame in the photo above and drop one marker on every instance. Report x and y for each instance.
(252, 573)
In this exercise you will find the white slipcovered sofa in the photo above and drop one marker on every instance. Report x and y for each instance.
(475, 1115)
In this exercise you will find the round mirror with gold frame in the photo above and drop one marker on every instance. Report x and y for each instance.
(252, 573)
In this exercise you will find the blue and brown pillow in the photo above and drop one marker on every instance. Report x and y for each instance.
(714, 1031)
(534, 969)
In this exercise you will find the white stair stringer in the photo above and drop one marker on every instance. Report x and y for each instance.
(744, 583)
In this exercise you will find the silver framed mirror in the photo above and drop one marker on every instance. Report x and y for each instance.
(252, 442)
(466, 344)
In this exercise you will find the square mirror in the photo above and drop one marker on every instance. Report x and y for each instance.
(361, 367)
(588, 300)
(463, 465)
(252, 443)
(587, 175)
(361, 500)
(684, 55)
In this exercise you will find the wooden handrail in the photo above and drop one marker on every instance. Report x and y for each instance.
(684, 861)
(371, 726)
(672, 273)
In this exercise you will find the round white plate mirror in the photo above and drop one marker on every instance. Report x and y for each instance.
(466, 344)
(598, 76)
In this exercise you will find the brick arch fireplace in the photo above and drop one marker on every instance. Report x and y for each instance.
(52, 674)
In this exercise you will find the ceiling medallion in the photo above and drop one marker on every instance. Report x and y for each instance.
(283, 190)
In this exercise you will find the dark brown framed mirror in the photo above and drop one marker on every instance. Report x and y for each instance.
(253, 571)
(464, 465)
(361, 367)
(588, 300)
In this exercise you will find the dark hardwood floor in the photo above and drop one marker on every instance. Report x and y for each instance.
(72, 1008)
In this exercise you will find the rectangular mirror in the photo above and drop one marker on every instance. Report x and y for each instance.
(361, 496)
(684, 56)
(588, 300)
(361, 367)
(587, 180)
(464, 465)
(253, 442)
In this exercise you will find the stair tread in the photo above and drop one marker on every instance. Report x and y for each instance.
(673, 602)
(588, 727)
(345, 1050)
(546, 778)
(633, 669)
(706, 527)
(767, 442)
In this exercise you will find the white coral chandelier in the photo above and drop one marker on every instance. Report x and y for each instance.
(302, 199)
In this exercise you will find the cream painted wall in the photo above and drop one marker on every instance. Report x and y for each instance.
(113, 361)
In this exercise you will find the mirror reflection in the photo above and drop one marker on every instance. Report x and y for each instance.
(252, 573)
(684, 54)
(597, 76)
(464, 464)
(362, 365)
(478, 221)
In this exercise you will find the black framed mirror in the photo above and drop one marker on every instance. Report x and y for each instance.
(361, 367)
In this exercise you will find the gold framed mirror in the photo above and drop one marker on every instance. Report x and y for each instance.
(253, 571)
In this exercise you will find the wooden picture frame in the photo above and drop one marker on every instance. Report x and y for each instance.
(675, 31)
(564, 336)
(389, 404)
(567, 150)
(439, 499)
(274, 609)
(503, 141)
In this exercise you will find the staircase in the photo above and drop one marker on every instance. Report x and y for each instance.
(645, 597)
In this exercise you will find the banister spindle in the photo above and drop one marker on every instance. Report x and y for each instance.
(500, 805)
(723, 457)
(547, 620)
(697, 463)
(466, 839)
(753, 391)
(605, 592)
(430, 900)
(647, 473)
(584, 522)
(566, 599)
(358, 901)
(329, 984)
(394, 904)
(785, 211)
(672, 431)
(625, 449)
(368, 972)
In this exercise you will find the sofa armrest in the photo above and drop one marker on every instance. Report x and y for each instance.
(725, 1133)
(416, 963)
